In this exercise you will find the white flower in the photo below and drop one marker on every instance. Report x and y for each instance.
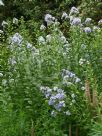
(15, 21)
(81, 61)
(4, 23)
(41, 40)
(53, 113)
(4, 82)
(83, 88)
(1, 74)
(74, 10)
(42, 27)
(48, 38)
(1, 32)
(63, 39)
(76, 21)
(71, 18)
(1, 3)
(11, 80)
(29, 45)
(60, 33)
(67, 113)
(73, 95)
(95, 28)
(73, 101)
(100, 22)
(87, 30)
(56, 23)
(64, 15)
(77, 80)
(55, 88)
(37, 52)
(12, 61)
(88, 20)
(83, 46)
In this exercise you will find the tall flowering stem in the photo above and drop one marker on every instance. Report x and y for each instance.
(87, 91)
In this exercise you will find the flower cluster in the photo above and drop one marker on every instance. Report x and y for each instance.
(49, 19)
(76, 21)
(16, 39)
(87, 30)
(19, 41)
(56, 97)
(88, 20)
(64, 15)
(83, 61)
(74, 11)
(42, 27)
(69, 78)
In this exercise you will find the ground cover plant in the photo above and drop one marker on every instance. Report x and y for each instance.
(50, 76)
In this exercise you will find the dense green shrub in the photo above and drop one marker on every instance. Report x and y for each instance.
(50, 79)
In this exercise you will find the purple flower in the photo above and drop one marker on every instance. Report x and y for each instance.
(60, 96)
(60, 105)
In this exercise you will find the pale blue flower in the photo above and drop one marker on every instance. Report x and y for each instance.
(16, 39)
(88, 20)
(60, 105)
(60, 96)
(29, 45)
(49, 19)
(64, 15)
(87, 30)
(74, 10)
(76, 21)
